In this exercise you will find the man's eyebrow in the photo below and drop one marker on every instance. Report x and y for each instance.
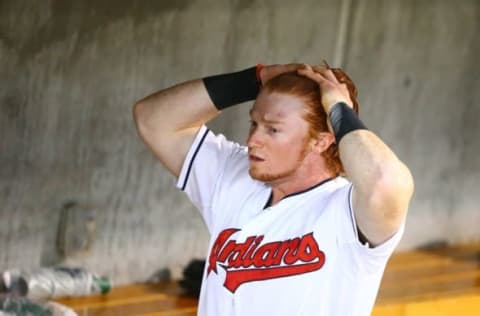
(266, 120)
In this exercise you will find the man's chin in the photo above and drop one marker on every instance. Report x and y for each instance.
(254, 174)
(264, 177)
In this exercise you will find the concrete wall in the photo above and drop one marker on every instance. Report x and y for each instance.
(71, 70)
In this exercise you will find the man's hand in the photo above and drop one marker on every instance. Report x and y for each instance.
(331, 89)
(271, 71)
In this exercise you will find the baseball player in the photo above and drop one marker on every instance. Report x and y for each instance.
(289, 234)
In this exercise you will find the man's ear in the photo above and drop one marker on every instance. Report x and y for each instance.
(322, 142)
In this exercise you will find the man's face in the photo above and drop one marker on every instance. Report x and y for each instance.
(278, 137)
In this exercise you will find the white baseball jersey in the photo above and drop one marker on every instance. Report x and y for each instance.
(300, 256)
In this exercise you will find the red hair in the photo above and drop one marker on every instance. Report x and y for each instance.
(293, 84)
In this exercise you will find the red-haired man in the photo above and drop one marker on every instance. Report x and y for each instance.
(289, 234)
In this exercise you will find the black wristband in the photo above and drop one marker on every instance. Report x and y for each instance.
(344, 120)
(233, 88)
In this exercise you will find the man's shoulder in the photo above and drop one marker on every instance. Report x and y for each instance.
(223, 144)
(235, 166)
(341, 189)
(334, 194)
(336, 186)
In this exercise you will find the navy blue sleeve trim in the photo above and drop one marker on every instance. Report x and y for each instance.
(349, 196)
(360, 236)
(193, 158)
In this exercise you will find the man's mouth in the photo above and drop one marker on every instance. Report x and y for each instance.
(254, 158)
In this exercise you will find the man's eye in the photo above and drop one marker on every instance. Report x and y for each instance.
(273, 130)
(253, 124)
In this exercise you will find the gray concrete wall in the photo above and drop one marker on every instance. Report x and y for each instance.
(71, 70)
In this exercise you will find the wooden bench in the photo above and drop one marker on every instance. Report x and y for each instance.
(443, 281)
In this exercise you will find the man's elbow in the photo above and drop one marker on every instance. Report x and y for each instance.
(400, 181)
(142, 119)
(139, 113)
(383, 206)
(395, 189)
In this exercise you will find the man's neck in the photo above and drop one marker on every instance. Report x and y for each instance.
(297, 184)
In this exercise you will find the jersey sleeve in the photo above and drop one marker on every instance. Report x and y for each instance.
(203, 169)
(366, 259)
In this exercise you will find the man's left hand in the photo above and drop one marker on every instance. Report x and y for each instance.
(331, 90)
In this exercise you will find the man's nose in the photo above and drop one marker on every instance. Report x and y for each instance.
(254, 139)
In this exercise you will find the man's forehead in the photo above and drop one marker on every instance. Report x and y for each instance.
(277, 106)
(273, 115)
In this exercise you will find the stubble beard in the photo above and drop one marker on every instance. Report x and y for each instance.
(272, 177)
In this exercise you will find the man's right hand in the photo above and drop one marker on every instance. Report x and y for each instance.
(271, 71)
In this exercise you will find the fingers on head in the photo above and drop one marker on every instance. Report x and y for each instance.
(326, 73)
(330, 75)
(309, 73)
(320, 68)
(293, 66)
(306, 67)
(304, 70)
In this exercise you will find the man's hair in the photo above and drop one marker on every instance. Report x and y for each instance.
(300, 86)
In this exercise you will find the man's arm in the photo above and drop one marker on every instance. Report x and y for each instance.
(382, 184)
(168, 120)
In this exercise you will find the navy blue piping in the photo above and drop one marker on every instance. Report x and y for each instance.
(350, 209)
(310, 188)
(193, 158)
(360, 236)
(269, 201)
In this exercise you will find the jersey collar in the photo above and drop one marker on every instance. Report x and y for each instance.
(269, 201)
